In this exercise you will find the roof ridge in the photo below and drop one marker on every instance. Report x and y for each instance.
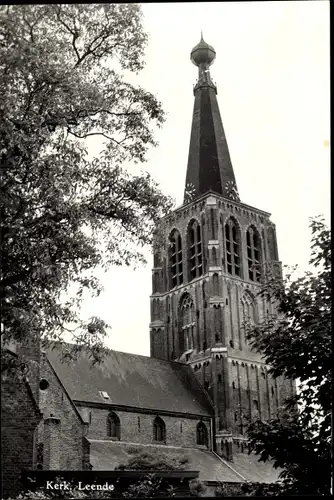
(60, 343)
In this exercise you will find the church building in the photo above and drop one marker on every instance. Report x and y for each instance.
(210, 256)
(202, 383)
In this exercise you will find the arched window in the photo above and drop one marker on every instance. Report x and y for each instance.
(113, 426)
(175, 259)
(195, 257)
(187, 322)
(232, 238)
(159, 430)
(202, 434)
(253, 254)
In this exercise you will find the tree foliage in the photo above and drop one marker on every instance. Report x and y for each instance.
(64, 214)
(151, 485)
(150, 460)
(296, 343)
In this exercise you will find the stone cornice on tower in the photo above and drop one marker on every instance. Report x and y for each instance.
(222, 200)
(209, 163)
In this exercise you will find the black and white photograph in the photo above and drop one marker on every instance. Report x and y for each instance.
(165, 250)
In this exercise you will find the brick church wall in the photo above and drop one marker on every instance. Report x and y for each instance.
(19, 419)
(66, 434)
(138, 427)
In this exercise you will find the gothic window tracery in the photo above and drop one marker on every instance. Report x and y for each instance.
(232, 239)
(187, 319)
(113, 426)
(253, 254)
(175, 259)
(159, 430)
(195, 256)
(202, 434)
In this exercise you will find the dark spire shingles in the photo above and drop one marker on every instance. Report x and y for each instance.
(209, 163)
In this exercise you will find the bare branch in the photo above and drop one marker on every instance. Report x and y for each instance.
(94, 133)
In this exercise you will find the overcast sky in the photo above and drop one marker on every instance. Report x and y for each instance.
(272, 74)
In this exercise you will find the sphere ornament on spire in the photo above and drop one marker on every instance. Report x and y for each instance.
(203, 53)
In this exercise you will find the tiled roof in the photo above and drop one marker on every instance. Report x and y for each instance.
(132, 380)
(106, 455)
(253, 470)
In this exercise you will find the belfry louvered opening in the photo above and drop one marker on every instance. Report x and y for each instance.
(253, 254)
(175, 259)
(232, 239)
(195, 256)
(187, 323)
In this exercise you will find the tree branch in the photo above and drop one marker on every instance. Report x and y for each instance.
(95, 133)
(73, 33)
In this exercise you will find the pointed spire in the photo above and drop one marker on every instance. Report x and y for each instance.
(209, 163)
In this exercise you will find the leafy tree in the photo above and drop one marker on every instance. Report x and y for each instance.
(151, 484)
(296, 343)
(63, 213)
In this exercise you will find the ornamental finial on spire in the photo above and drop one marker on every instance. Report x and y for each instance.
(203, 53)
(203, 56)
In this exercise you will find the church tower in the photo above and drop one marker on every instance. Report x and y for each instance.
(210, 256)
